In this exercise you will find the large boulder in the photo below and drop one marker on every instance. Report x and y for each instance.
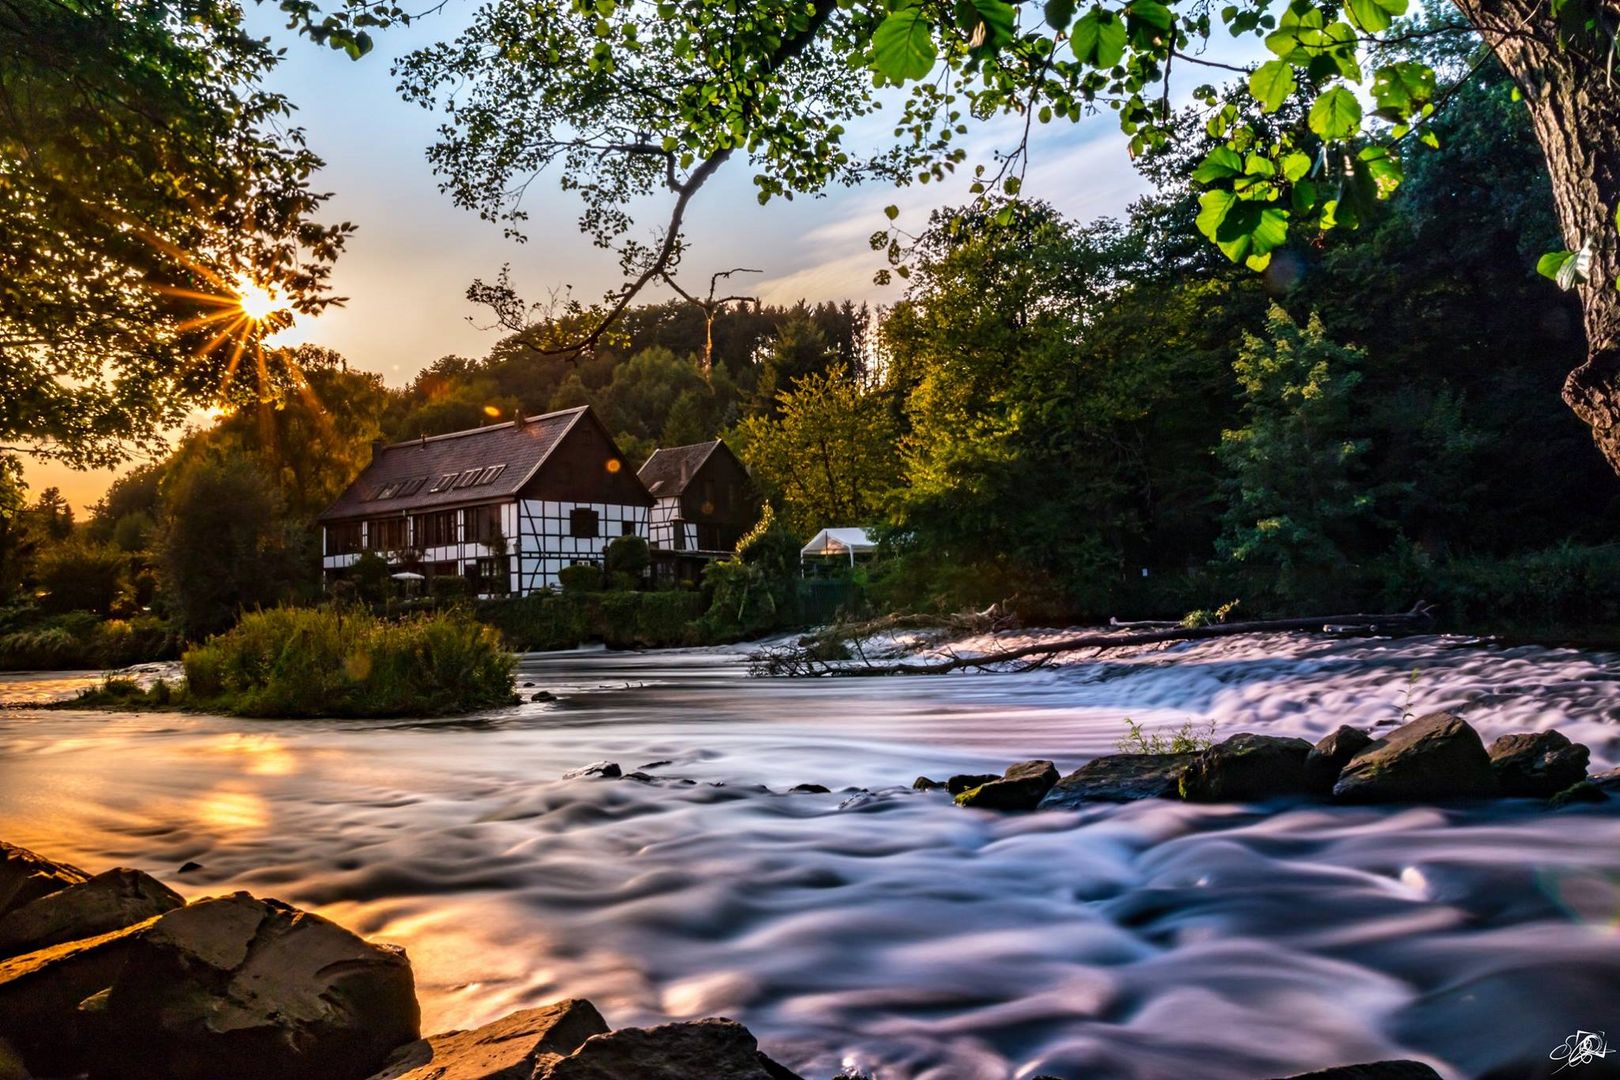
(1021, 787)
(255, 990)
(967, 781)
(25, 877)
(1376, 1070)
(1537, 764)
(1119, 778)
(1435, 757)
(109, 901)
(1247, 767)
(1331, 754)
(41, 993)
(715, 1049)
(511, 1048)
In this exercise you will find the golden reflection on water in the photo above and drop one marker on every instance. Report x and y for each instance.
(224, 810)
(263, 755)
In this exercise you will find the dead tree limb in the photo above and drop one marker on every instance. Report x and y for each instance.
(799, 662)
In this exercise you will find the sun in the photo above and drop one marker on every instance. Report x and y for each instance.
(256, 301)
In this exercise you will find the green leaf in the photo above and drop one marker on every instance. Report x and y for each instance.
(1567, 268)
(1383, 167)
(1399, 89)
(1221, 163)
(1099, 39)
(903, 46)
(1296, 165)
(891, 212)
(1151, 12)
(1213, 206)
(1059, 13)
(1336, 114)
(1272, 83)
(1374, 15)
(999, 20)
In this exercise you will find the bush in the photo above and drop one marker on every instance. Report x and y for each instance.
(82, 577)
(292, 662)
(628, 555)
(645, 620)
(580, 578)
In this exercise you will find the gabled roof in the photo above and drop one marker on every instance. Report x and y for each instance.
(668, 471)
(488, 464)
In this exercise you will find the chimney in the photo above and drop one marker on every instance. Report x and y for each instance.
(377, 447)
(518, 419)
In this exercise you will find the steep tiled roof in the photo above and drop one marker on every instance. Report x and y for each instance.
(412, 476)
(667, 472)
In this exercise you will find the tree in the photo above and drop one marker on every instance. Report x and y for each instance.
(1292, 467)
(830, 458)
(581, 87)
(1017, 450)
(80, 576)
(15, 542)
(151, 198)
(223, 545)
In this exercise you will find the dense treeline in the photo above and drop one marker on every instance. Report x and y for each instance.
(1084, 418)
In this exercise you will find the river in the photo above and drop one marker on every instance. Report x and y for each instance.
(891, 931)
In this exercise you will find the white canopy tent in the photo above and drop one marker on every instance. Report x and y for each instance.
(839, 543)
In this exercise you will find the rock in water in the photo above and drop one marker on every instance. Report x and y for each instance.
(25, 877)
(1434, 757)
(1021, 787)
(1583, 792)
(511, 1048)
(607, 769)
(713, 1049)
(923, 783)
(1377, 1070)
(1119, 778)
(1329, 757)
(254, 990)
(966, 781)
(1247, 767)
(1537, 764)
(109, 901)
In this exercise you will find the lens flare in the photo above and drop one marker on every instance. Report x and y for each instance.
(256, 301)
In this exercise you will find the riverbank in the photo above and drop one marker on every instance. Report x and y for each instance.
(899, 932)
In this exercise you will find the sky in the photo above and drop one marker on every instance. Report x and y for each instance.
(406, 269)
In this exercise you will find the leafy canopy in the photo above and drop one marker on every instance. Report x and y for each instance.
(146, 180)
(622, 99)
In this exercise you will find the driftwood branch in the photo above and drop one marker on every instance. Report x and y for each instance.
(800, 662)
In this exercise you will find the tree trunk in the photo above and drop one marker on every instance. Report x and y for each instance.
(1575, 109)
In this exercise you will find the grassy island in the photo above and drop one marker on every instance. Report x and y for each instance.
(294, 663)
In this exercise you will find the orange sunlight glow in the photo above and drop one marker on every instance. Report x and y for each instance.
(256, 301)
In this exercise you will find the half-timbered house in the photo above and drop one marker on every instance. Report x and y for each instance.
(505, 506)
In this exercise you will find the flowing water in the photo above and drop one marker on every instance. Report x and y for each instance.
(890, 930)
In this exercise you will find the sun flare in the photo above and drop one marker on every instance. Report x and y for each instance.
(256, 301)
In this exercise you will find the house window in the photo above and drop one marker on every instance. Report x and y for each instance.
(436, 530)
(582, 522)
(492, 575)
(386, 534)
(481, 524)
(627, 528)
(343, 539)
(468, 478)
(443, 483)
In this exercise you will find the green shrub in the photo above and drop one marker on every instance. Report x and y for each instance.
(45, 649)
(292, 662)
(580, 578)
(1190, 738)
(82, 577)
(628, 555)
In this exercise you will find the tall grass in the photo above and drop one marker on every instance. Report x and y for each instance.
(296, 662)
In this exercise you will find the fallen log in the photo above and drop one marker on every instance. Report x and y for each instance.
(797, 662)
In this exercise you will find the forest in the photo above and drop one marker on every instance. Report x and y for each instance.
(1077, 419)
